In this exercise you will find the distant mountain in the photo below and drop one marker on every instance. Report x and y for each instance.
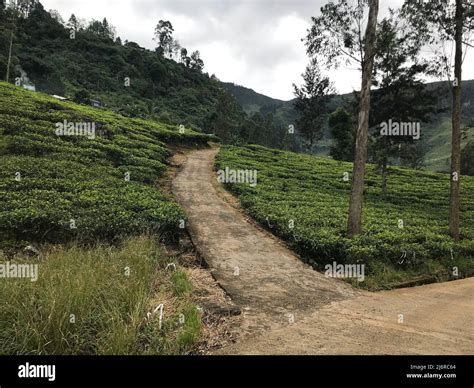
(253, 102)
(436, 135)
(250, 100)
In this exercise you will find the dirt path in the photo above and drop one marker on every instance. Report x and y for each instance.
(288, 308)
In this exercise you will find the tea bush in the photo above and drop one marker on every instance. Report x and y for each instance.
(311, 192)
(57, 188)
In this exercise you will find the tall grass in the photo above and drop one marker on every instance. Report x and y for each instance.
(95, 301)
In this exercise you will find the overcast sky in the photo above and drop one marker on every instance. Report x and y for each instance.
(254, 43)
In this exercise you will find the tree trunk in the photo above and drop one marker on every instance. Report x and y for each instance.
(385, 167)
(354, 225)
(456, 135)
(384, 175)
(7, 77)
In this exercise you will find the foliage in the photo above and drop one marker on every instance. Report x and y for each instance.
(311, 104)
(435, 24)
(401, 95)
(225, 120)
(164, 36)
(337, 35)
(342, 127)
(467, 159)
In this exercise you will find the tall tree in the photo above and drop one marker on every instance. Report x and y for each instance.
(13, 16)
(10, 47)
(354, 224)
(440, 22)
(456, 135)
(195, 62)
(73, 23)
(335, 36)
(109, 30)
(185, 60)
(184, 57)
(164, 36)
(175, 50)
(311, 103)
(225, 118)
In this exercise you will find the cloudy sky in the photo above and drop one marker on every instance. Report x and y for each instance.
(255, 43)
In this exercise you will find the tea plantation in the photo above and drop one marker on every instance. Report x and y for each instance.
(59, 188)
(304, 200)
(90, 203)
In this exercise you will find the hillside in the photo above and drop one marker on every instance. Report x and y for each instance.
(79, 195)
(95, 64)
(253, 102)
(304, 200)
(103, 182)
(436, 134)
(250, 100)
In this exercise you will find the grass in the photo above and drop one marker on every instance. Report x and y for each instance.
(304, 200)
(95, 301)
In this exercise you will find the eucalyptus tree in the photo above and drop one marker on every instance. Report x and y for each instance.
(337, 35)
(441, 23)
(164, 36)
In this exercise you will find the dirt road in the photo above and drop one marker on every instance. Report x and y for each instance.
(288, 308)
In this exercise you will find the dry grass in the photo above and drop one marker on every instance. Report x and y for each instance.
(95, 301)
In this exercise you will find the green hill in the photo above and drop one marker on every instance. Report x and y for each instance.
(95, 64)
(253, 102)
(438, 157)
(250, 100)
(47, 179)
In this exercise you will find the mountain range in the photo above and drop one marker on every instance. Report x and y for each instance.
(436, 134)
